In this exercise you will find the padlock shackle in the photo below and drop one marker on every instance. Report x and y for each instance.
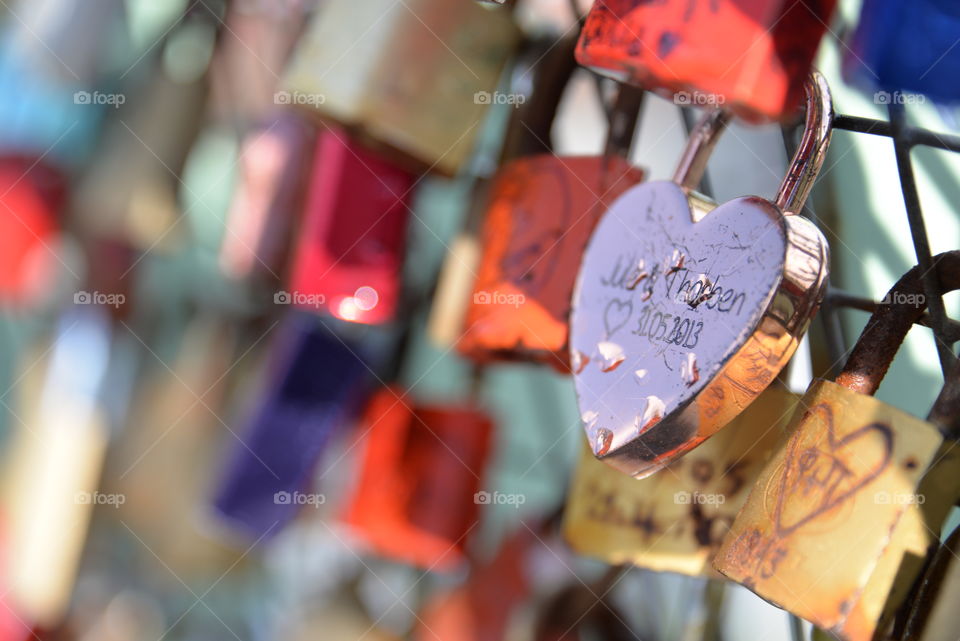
(887, 328)
(806, 162)
(702, 140)
(945, 413)
(812, 150)
(623, 119)
(529, 130)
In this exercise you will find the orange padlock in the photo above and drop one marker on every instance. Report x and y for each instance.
(542, 210)
(749, 56)
(416, 495)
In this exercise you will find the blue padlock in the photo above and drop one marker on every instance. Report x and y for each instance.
(906, 46)
(315, 382)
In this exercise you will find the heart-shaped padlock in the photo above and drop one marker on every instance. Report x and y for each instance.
(684, 311)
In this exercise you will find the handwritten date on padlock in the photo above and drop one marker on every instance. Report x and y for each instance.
(678, 325)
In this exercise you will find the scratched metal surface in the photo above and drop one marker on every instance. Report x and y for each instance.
(662, 304)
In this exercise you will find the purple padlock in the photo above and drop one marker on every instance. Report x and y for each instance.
(315, 382)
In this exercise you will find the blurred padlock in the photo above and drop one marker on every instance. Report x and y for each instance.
(418, 492)
(684, 311)
(256, 44)
(131, 194)
(675, 520)
(455, 284)
(313, 383)
(274, 163)
(749, 56)
(415, 76)
(481, 608)
(842, 515)
(32, 193)
(349, 257)
(549, 62)
(176, 427)
(541, 212)
(900, 46)
(52, 476)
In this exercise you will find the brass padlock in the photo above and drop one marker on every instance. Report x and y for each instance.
(675, 520)
(415, 76)
(685, 311)
(841, 516)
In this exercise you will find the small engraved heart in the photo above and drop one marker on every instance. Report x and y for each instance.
(616, 315)
(818, 477)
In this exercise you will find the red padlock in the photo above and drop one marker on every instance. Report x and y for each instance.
(31, 194)
(416, 498)
(750, 56)
(541, 212)
(352, 241)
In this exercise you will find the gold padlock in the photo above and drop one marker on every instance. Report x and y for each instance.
(675, 520)
(839, 521)
(415, 76)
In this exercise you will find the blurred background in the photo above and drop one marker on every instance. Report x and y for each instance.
(200, 442)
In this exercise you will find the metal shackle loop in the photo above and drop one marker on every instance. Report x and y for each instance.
(812, 151)
(622, 121)
(702, 140)
(806, 162)
(888, 326)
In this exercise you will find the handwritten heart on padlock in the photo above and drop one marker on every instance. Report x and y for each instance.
(824, 470)
(684, 311)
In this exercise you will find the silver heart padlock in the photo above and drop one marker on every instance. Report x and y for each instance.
(685, 311)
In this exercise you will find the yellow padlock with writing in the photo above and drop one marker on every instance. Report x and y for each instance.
(674, 520)
(838, 523)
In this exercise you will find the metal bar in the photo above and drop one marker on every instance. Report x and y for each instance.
(918, 231)
(911, 136)
(840, 298)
